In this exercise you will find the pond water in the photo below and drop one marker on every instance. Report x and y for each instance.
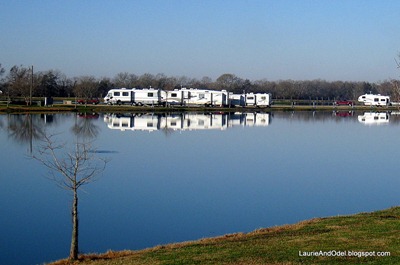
(181, 177)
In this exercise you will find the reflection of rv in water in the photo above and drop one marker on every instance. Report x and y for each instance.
(142, 122)
(374, 118)
(374, 100)
(184, 121)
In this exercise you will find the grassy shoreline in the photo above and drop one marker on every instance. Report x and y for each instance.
(126, 108)
(363, 238)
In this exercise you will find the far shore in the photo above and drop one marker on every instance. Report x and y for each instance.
(100, 108)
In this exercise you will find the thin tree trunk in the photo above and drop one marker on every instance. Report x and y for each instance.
(73, 254)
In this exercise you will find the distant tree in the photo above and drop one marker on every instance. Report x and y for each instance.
(48, 84)
(170, 83)
(20, 82)
(395, 84)
(70, 169)
(65, 85)
(105, 85)
(183, 81)
(147, 80)
(227, 81)
(86, 87)
(125, 79)
(2, 71)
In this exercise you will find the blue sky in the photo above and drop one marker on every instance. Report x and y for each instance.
(348, 40)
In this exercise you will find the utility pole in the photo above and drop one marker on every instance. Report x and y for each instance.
(31, 87)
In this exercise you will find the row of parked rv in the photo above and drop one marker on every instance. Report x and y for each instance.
(206, 97)
(185, 97)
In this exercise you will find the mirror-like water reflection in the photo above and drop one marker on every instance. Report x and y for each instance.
(193, 176)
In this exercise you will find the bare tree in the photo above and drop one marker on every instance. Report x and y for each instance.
(396, 84)
(70, 169)
(20, 82)
(86, 87)
(124, 79)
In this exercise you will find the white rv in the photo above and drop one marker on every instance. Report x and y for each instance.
(194, 96)
(174, 97)
(237, 100)
(119, 96)
(250, 99)
(374, 100)
(258, 99)
(148, 96)
(145, 96)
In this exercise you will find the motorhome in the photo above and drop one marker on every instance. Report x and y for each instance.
(145, 96)
(119, 96)
(374, 100)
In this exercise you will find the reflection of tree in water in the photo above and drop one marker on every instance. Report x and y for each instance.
(2, 125)
(85, 127)
(25, 128)
(165, 129)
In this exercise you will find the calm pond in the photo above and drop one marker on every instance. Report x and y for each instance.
(182, 177)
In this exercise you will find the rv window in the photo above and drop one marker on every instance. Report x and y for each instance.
(174, 95)
(150, 124)
(125, 94)
(376, 99)
(263, 98)
(116, 94)
(382, 99)
(250, 97)
(202, 96)
(150, 94)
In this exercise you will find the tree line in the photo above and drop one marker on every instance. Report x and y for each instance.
(24, 82)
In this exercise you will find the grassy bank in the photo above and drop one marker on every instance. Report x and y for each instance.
(365, 238)
(126, 108)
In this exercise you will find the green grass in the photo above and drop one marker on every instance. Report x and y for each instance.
(356, 234)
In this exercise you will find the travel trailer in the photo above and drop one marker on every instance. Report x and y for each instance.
(250, 99)
(374, 100)
(236, 100)
(193, 96)
(258, 99)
